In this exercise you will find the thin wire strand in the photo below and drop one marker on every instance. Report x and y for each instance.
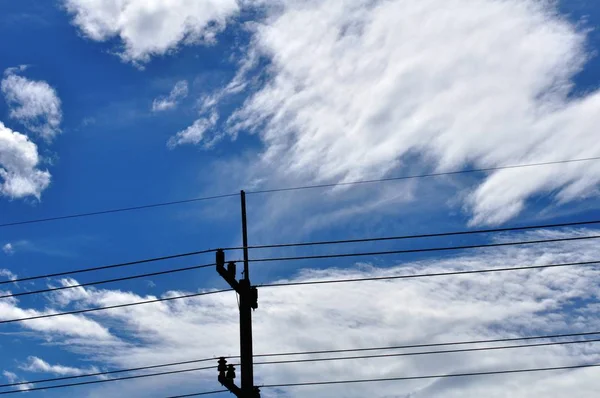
(429, 275)
(405, 354)
(308, 283)
(432, 235)
(125, 278)
(268, 363)
(83, 383)
(103, 267)
(198, 394)
(425, 250)
(205, 198)
(123, 209)
(109, 372)
(154, 259)
(447, 173)
(497, 372)
(526, 338)
(114, 306)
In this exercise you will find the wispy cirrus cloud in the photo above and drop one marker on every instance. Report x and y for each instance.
(13, 378)
(38, 365)
(180, 91)
(453, 84)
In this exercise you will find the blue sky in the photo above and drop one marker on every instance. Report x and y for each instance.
(126, 103)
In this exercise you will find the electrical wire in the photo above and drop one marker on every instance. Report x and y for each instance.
(381, 348)
(125, 278)
(119, 210)
(83, 383)
(410, 177)
(198, 394)
(109, 372)
(425, 250)
(272, 363)
(428, 275)
(113, 306)
(417, 353)
(297, 188)
(310, 283)
(180, 255)
(103, 267)
(497, 372)
(432, 235)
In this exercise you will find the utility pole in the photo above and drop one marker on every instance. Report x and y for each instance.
(248, 302)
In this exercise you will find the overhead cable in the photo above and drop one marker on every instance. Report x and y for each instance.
(295, 188)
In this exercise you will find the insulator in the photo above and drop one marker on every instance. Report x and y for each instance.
(230, 372)
(222, 365)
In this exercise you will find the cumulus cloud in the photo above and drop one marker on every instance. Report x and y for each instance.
(150, 28)
(33, 103)
(179, 91)
(457, 83)
(20, 175)
(377, 313)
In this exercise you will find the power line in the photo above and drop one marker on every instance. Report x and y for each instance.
(198, 394)
(428, 275)
(268, 363)
(83, 383)
(125, 278)
(425, 250)
(110, 372)
(113, 306)
(119, 265)
(446, 173)
(406, 354)
(310, 283)
(119, 210)
(497, 372)
(275, 246)
(384, 348)
(432, 235)
(206, 198)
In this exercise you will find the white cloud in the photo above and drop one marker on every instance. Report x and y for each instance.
(179, 91)
(33, 103)
(194, 134)
(151, 27)
(13, 378)
(356, 87)
(38, 365)
(378, 313)
(8, 249)
(67, 325)
(19, 162)
(6, 273)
